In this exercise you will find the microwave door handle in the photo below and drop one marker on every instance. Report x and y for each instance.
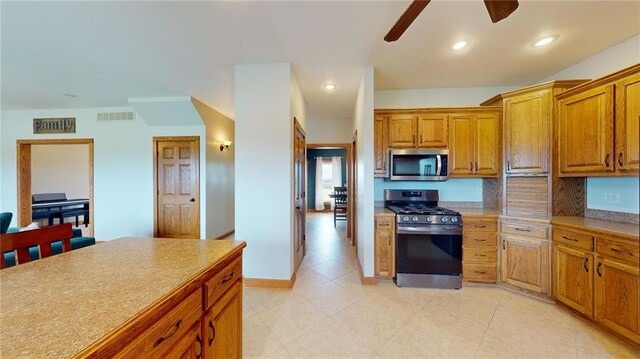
(439, 165)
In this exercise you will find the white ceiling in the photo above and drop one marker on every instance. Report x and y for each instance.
(107, 52)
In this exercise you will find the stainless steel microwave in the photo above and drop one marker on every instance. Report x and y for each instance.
(419, 165)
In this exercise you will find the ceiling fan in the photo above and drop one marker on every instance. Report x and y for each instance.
(498, 10)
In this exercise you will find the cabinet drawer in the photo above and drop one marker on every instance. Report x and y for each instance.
(216, 286)
(627, 252)
(573, 239)
(484, 225)
(168, 331)
(479, 254)
(384, 222)
(482, 272)
(524, 229)
(479, 239)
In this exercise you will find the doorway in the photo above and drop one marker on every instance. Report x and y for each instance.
(59, 167)
(176, 184)
(299, 184)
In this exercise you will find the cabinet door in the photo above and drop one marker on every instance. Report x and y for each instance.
(585, 132)
(222, 326)
(616, 297)
(527, 133)
(402, 130)
(627, 128)
(433, 131)
(525, 263)
(487, 145)
(189, 346)
(384, 262)
(462, 139)
(573, 278)
(380, 146)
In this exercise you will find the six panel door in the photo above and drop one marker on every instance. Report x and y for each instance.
(462, 139)
(527, 133)
(627, 127)
(573, 278)
(433, 131)
(178, 212)
(402, 131)
(585, 132)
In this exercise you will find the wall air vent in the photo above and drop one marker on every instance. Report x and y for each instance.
(116, 116)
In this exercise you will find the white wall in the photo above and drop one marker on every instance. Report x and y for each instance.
(220, 171)
(60, 169)
(363, 123)
(123, 166)
(264, 150)
(329, 130)
(436, 97)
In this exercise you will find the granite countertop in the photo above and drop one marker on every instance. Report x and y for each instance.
(57, 306)
(628, 230)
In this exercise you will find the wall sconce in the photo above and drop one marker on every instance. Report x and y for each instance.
(225, 145)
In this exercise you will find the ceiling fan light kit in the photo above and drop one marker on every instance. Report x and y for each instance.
(498, 10)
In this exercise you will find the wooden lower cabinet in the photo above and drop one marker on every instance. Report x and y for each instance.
(223, 326)
(188, 347)
(616, 297)
(573, 278)
(479, 251)
(524, 263)
(385, 246)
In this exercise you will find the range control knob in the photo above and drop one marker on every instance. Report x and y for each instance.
(415, 218)
(454, 219)
(405, 219)
(444, 219)
(429, 219)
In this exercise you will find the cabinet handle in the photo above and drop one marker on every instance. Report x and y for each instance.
(480, 255)
(420, 138)
(522, 229)
(389, 241)
(598, 269)
(479, 240)
(622, 252)
(173, 332)
(503, 247)
(479, 272)
(471, 166)
(606, 160)
(509, 166)
(586, 262)
(227, 278)
(476, 167)
(480, 226)
(213, 333)
(620, 159)
(199, 341)
(569, 239)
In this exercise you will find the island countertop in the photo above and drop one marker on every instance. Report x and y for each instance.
(57, 306)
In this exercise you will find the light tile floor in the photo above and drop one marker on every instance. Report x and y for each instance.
(328, 314)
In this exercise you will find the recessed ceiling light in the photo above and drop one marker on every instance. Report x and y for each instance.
(329, 86)
(545, 41)
(459, 45)
(70, 95)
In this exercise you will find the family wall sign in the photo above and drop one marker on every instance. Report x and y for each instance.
(54, 125)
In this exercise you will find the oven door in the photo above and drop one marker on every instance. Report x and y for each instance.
(438, 253)
(418, 165)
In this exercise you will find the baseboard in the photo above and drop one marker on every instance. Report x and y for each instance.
(227, 234)
(365, 280)
(270, 283)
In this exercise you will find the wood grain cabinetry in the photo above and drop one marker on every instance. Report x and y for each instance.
(385, 245)
(474, 145)
(222, 326)
(598, 126)
(479, 251)
(402, 130)
(433, 131)
(380, 149)
(524, 255)
(597, 275)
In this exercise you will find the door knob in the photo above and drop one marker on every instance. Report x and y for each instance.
(192, 199)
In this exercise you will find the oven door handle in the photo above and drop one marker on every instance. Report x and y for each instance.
(422, 230)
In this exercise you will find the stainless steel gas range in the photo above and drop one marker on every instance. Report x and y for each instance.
(428, 240)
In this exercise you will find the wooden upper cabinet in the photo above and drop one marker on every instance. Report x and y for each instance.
(527, 132)
(627, 128)
(402, 130)
(433, 131)
(585, 134)
(380, 151)
(462, 140)
(487, 144)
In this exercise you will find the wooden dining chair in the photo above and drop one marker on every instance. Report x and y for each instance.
(340, 204)
(20, 242)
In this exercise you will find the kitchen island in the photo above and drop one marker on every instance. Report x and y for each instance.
(127, 297)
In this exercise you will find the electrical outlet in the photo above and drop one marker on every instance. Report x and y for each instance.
(612, 197)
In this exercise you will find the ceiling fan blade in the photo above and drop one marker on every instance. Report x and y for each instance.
(406, 19)
(500, 9)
